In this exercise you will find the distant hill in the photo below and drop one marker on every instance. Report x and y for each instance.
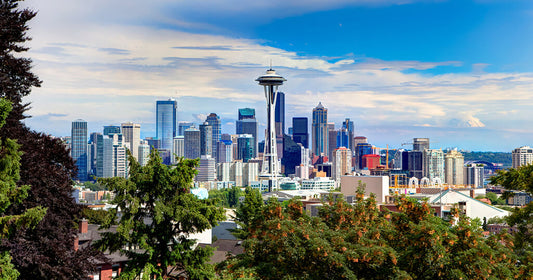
(494, 157)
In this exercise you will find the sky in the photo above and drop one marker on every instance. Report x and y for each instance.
(459, 72)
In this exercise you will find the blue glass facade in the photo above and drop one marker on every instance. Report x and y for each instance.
(166, 122)
(300, 133)
(361, 150)
(79, 148)
(214, 121)
(320, 130)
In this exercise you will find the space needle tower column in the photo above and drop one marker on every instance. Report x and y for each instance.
(270, 170)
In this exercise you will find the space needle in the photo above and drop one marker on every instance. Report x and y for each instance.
(271, 167)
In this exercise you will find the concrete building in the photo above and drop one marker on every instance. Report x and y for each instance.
(132, 137)
(144, 153)
(318, 183)
(453, 167)
(342, 162)
(474, 175)
(206, 139)
(522, 156)
(178, 148)
(433, 164)
(378, 185)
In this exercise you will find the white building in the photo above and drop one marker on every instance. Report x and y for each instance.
(342, 162)
(144, 153)
(433, 164)
(178, 148)
(474, 175)
(206, 170)
(522, 156)
(243, 174)
(318, 183)
(132, 137)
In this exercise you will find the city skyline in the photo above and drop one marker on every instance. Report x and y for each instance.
(458, 72)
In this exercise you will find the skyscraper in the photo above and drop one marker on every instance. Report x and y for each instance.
(247, 124)
(342, 162)
(320, 130)
(92, 160)
(300, 133)
(132, 137)
(79, 147)
(279, 122)
(182, 126)
(192, 143)
(214, 121)
(166, 122)
(179, 148)
(349, 127)
(420, 144)
(245, 147)
(206, 139)
(360, 150)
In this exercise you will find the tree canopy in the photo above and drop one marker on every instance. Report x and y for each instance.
(158, 213)
(360, 241)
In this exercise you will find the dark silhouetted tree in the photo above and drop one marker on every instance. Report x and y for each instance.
(47, 251)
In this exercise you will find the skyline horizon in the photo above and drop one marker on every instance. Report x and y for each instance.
(459, 72)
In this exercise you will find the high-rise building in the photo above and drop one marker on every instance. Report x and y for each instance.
(342, 162)
(144, 153)
(474, 175)
(245, 147)
(415, 164)
(206, 169)
(292, 155)
(79, 148)
(300, 133)
(111, 129)
(192, 143)
(420, 144)
(522, 156)
(247, 124)
(350, 131)
(153, 143)
(166, 122)
(332, 140)
(401, 160)
(182, 126)
(206, 139)
(179, 148)
(132, 137)
(92, 162)
(453, 167)
(360, 150)
(279, 122)
(320, 130)
(214, 121)
(433, 164)
(224, 151)
(115, 162)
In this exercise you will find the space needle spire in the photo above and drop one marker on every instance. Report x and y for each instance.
(271, 166)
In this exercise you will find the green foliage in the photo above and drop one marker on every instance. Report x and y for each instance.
(11, 194)
(97, 217)
(95, 186)
(495, 157)
(228, 197)
(158, 213)
(248, 212)
(495, 199)
(361, 242)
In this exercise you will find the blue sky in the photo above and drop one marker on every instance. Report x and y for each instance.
(458, 72)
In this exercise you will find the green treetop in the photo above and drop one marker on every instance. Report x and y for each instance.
(158, 213)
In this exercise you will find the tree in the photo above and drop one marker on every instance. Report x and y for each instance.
(247, 212)
(46, 251)
(361, 242)
(158, 212)
(520, 179)
(11, 194)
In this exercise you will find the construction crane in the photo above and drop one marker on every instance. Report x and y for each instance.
(387, 157)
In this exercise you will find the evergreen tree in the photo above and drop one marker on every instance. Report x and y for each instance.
(47, 251)
(158, 212)
(10, 194)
